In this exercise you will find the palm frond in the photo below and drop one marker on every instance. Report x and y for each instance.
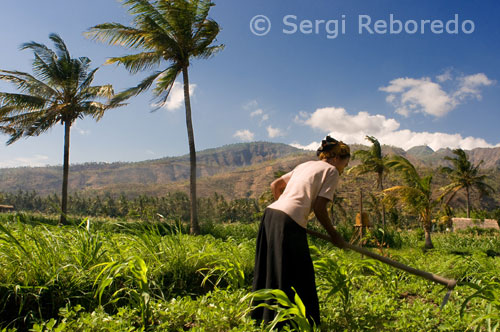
(138, 62)
(376, 150)
(450, 190)
(164, 38)
(25, 82)
(21, 101)
(142, 8)
(361, 154)
(166, 81)
(94, 109)
(116, 34)
(142, 86)
(206, 33)
(42, 51)
(86, 79)
(59, 91)
(62, 50)
(412, 199)
(404, 191)
(102, 91)
(359, 170)
(31, 123)
(208, 52)
(42, 69)
(484, 188)
(405, 168)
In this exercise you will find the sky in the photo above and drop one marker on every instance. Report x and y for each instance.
(407, 72)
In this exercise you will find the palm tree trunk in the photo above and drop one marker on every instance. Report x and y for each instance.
(468, 201)
(194, 227)
(64, 196)
(428, 229)
(383, 206)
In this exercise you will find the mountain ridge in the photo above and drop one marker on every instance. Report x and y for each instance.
(236, 170)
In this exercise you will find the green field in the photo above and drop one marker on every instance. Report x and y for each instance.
(111, 275)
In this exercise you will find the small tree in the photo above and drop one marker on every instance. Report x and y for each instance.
(464, 175)
(415, 195)
(372, 161)
(60, 91)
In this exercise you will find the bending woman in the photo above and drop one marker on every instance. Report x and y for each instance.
(282, 258)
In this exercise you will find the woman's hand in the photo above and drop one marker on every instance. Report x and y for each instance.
(322, 215)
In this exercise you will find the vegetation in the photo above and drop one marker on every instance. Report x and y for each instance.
(59, 92)
(168, 31)
(109, 274)
(125, 262)
(372, 161)
(464, 175)
(415, 195)
(173, 206)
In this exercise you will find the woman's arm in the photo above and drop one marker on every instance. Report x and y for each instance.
(322, 215)
(277, 187)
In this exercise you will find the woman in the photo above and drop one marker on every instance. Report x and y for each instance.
(282, 259)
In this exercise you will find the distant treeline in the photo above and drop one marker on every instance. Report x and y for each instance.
(172, 207)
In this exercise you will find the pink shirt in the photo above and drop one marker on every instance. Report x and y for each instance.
(304, 184)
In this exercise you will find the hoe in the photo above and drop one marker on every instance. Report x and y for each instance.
(449, 283)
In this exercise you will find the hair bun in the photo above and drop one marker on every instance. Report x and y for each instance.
(326, 144)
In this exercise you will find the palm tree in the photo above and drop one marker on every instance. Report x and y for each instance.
(166, 31)
(415, 195)
(59, 91)
(372, 161)
(464, 175)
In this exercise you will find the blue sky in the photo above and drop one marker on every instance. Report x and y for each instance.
(294, 87)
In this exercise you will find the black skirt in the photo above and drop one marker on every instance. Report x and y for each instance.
(283, 261)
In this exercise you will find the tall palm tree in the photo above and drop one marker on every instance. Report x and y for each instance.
(464, 175)
(59, 91)
(372, 161)
(171, 32)
(415, 195)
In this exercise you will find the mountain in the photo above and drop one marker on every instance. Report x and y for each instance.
(237, 170)
(422, 151)
(142, 177)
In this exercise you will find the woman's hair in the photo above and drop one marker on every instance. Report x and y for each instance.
(331, 148)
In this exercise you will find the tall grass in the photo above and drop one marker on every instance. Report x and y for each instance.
(118, 275)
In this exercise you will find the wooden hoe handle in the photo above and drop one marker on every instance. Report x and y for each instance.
(450, 283)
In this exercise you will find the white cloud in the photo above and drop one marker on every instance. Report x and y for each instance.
(470, 85)
(446, 76)
(175, 99)
(274, 132)
(251, 105)
(33, 161)
(354, 128)
(420, 94)
(301, 117)
(257, 112)
(312, 146)
(81, 131)
(410, 95)
(244, 135)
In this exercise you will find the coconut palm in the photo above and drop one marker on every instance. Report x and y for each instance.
(168, 32)
(59, 91)
(372, 161)
(415, 195)
(464, 175)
